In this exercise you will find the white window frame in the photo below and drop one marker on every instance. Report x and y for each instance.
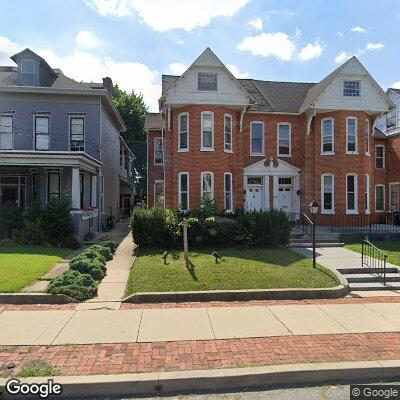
(355, 152)
(278, 138)
(202, 148)
(180, 190)
(355, 210)
(35, 134)
(231, 134)
(226, 192)
(154, 191)
(383, 157)
(34, 69)
(186, 149)
(48, 185)
(154, 150)
(359, 88)
(205, 90)
(212, 183)
(70, 118)
(395, 184)
(263, 138)
(367, 137)
(384, 199)
(12, 131)
(367, 191)
(331, 152)
(323, 210)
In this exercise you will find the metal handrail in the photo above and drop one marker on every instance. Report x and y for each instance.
(306, 222)
(374, 258)
(385, 222)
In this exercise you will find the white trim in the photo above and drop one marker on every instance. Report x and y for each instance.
(202, 148)
(390, 194)
(207, 73)
(383, 157)
(231, 134)
(154, 150)
(33, 60)
(355, 210)
(355, 152)
(367, 191)
(332, 152)
(212, 183)
(41, 115)
(180, 191)
(290, 139)
(77, 116)
(367, 138)
(8, 115)
(323, 210)
(231, 191)
(154, 191)
(186, 149)
(359, 88)
(384, 199)
(263, 138)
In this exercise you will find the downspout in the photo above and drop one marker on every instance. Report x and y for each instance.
(168, 115)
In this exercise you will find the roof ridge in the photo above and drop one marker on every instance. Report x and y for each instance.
(262, 95)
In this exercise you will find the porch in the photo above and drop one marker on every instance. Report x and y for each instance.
(28, 178)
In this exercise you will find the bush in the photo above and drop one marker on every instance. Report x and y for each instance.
(29, 234)
(11, 219)
(71, 242)
(56, 222)
(80, 293)
(93, 255)
(71, 277)
(156, 228)
(110, 244)
(103, 251)
(85, 265)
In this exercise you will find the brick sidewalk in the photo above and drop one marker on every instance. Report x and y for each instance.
(207, 354)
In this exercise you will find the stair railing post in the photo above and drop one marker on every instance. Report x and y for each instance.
(384, 269)
(362, 253)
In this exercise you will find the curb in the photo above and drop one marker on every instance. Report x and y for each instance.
(35, 298)
(218, 379)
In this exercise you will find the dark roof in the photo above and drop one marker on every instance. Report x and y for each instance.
(269, 96)
(394, 90)
(378, 134)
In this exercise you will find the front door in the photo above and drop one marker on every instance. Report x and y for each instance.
(126, 205)
(254, 197)
(285, 195)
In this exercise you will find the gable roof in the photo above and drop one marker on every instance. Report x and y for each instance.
(395, 90)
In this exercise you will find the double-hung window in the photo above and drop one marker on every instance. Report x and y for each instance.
(227, 133)
(6, 132)
(366, 194)
(284, 139)
(351, 135)
(394, 196)
(207, 185)
(159, 193)
(183, 135)
(327, 193)
(77, 133)
(257, 138)
(183, 191)
(158, 151)
(28, 72)
(42, 130)
(53, 185)
(351, 88)
(327, 136)
(228, 197)
(351, 194)
(207, 131)
(380, 157)
(207, 82)
(367, 137)
(379, 198)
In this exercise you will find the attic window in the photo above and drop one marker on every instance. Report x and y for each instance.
(28, 72)
(207, 82)
(351, 88)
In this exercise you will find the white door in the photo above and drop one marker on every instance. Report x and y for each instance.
(285, 195)
(254, 197)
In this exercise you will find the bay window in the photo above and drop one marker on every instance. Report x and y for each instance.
(207, 131)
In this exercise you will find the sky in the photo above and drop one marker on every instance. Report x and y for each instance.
(136, 41)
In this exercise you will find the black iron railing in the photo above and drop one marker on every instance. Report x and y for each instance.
(307, 225)
(384, 222)
(374, 258)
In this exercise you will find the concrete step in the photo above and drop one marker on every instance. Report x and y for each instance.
(364, 270)
(319, 240)
(374, 286)
(390, 277)
(318, 244)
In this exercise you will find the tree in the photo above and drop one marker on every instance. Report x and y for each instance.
(133, 110)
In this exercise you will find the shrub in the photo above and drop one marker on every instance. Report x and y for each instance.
(71, 277)
(93, 255)
(56, 222)
(156, 228)
(85, 265)
(71, 242)
(11, 219)
(110, 244)
(103, 251)
(29, 234)
(80, 293)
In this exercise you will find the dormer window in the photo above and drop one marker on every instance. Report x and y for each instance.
(207, 82)
(28, 72)
(351, 88)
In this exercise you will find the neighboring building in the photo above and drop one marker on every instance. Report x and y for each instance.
(61, 139)
(262, 144)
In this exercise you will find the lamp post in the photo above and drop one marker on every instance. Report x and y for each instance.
(313, 207)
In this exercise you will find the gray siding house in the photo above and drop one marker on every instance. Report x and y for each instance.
(62, 139)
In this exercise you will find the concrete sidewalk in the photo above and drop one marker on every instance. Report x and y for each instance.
(204, 323)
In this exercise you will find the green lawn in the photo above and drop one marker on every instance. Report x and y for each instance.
(239, 269)
(21, 266)
(391, 248)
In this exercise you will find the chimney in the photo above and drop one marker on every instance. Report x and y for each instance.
(108, 85)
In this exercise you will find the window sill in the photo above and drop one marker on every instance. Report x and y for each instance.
(158, 164)
(183, 150)
(228, 151)
(327, 153)
(352, 153)
(367, 212)
(257, 154)
(327, 212)
(206, 149)
(368, 154)
(284, 155)
(379, 211)
(351, 212)
(380, 169)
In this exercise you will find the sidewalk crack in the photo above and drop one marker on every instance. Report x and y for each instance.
(140, 324)
(209, 319)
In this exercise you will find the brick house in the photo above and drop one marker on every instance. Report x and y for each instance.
(262, 144)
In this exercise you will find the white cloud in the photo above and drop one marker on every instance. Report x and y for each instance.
(269, 44)
(342, 57)
(298, 32)
(177, 68)
(163, 15)
(310, 51)
(236, 72)
(374, 46)
(396, 85)
(340, 34)
(7, 49)
(358, 29)
(256, 23)
(87, 40)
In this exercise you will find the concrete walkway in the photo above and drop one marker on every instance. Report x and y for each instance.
(206, 323)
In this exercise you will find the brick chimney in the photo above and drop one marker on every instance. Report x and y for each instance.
(108, 85)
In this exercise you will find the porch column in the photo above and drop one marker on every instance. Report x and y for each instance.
(94, 191)
(75, 189)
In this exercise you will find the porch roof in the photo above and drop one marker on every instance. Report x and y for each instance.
(29, 158)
